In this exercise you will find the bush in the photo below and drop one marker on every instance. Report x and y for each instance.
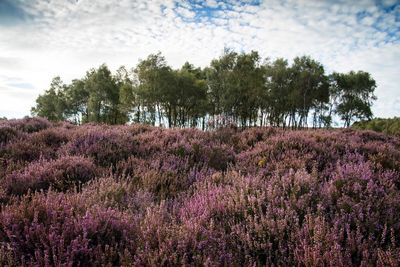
(58, 230)
(27, 124)
(149, 196)
(61, 174)
(7, 133)
(388, 126)
(165, 175)
(106, 146)
(44, 144)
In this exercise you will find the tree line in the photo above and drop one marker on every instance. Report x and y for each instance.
(236, 88)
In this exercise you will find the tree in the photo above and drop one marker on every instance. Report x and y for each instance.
(247, 83)
(127, 99)
(103, 101)
(190, 95)
(77, 97)
(219, 78)
(52, 103)
(153, 77)
(235, 88)
(355, 92)
(309, 87)
(276, 98)
(235, 82)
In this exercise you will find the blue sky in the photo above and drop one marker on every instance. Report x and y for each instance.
(41, 39)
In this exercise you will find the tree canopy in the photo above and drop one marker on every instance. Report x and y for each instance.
(237, 88)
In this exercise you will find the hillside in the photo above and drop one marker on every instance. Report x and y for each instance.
(98, 195)
(388, 126)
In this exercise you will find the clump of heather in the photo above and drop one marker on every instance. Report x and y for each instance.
(138, 195)
(38, 145)
(200, 148)
(7, 133)
(61, 174)
(121, 194)
(165, 175)
(105, 145)
(56, 229)
(27, 124)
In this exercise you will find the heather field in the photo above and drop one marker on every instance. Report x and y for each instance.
(97, 195)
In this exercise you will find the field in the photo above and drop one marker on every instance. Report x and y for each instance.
(97, 195)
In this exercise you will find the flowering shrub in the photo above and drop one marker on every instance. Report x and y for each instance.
(43, 144)
(165, 197)
(58, 230)
(61, 174)
(200, 148)
(106, 146)
(164, 176)
(7, 133)
(27, 124)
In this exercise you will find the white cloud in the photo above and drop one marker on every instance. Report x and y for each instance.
(389, 2)
(186, 13)
(212, 3)
(67, 38)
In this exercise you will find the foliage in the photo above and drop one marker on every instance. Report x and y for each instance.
(355, 91)
(52, 104)
(240, 87)
(388, 126)
(137, 195)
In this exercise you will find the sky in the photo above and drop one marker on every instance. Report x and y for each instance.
(41, 39)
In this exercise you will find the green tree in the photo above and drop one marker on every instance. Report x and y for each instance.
(247, 84)
(153, 76)
(127, 99)
(190, 94)
(52, 103)
(103, 101)
(276, 97)
(77, 97)
(309, 88)
(355, 92)
(219, 78)
(234, 88)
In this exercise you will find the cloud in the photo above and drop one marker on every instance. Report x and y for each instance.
(184, 12)
(66, 38)
(212, 3)
(16, 96)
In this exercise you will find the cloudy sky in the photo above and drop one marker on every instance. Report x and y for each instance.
(40, 39)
